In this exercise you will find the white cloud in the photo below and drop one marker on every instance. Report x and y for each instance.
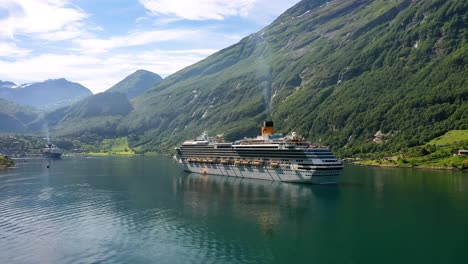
(74, 50)
(11, 50)
(40, 17)
(99, 45)
(260, 11)
(69, 32)
(199, 10)
(98, 73)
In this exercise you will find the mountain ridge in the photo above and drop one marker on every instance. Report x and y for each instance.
(136, 83)
(47, 95)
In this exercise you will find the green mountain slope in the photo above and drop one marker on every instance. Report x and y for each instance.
(95, 115)
(47, 95)
(15, 118)
(136, 83)
(337, 72)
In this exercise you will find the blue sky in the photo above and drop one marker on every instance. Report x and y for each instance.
(99, 42)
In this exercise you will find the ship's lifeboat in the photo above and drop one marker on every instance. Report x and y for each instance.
(245, 162)
(258, 163)
(224, 161)
(204, 160)
(274, 164)
(237, 162)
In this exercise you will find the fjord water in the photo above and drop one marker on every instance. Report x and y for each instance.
(146, 210)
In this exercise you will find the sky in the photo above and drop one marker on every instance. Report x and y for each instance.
(99, 42)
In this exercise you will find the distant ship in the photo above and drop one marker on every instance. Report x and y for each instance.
(51, 151)
(268, 157)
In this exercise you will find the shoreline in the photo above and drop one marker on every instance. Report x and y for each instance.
(98, 154)
(418, 167)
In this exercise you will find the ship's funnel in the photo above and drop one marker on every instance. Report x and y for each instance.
(267, 129)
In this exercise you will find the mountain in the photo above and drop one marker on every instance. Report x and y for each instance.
(136, 83)
(14, 118)
(97, 114)
(47, 95)
(7, 84)
(342, 72)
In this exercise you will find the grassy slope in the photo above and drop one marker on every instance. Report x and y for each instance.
(117, 146)
(450, 137)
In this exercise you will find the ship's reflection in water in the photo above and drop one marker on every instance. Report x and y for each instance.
(258, 202)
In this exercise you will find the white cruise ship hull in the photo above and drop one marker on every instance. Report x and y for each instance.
(328, 176)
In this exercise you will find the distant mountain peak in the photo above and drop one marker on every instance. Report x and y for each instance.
(56, 80)
(7, 84)
(47, 95)
(136, 83)
(143, 70)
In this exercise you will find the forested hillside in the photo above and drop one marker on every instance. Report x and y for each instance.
(359, 75)
(94, 116)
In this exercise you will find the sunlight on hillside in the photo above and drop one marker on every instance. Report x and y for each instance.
(118, 146)
(450, 137)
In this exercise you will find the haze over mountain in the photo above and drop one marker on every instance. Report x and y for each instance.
(358, 75)
(7, 84)
(15, 118)
(136, 83)
(47, 95)
(96, 114)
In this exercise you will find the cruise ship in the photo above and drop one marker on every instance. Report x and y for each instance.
(52, 152)
(268, 157)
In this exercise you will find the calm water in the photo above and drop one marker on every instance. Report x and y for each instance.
(145, 210)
